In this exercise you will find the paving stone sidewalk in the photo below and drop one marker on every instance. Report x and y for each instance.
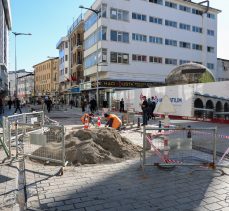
(8, 184)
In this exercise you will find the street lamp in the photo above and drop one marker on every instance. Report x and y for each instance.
(15, 35)
(97, 58)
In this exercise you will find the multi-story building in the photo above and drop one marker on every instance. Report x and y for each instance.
(222, 70)
(26, 87)
(5, 26)
(64, 70)
(11, 78)
(141, 41)
(46, 78)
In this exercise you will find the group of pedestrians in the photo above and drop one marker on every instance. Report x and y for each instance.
(91, 105)
(148, 107)
(16, 103)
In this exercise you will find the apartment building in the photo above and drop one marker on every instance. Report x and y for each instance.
(140, 41)
(26, 87)
(46, 76)
(5, 26)
(64, 70)
(222, 70)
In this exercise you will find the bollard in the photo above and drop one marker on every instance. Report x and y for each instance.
(189, 134)
(139, 123)
(159, 126)
(99, 122)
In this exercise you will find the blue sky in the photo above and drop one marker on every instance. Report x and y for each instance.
(48, 21)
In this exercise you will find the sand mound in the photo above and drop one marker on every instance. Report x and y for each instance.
(94, 146)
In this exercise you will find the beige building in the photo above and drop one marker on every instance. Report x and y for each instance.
(46, 75)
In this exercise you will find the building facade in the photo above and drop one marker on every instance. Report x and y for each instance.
(46, 78)
(222, 70)
(140, 41)
(11, 80)
(5, 26)
(26, 88)
(64, 70)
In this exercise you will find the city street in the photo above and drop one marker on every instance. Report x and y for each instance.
(120, 186)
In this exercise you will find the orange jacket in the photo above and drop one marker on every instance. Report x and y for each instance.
(116, 121)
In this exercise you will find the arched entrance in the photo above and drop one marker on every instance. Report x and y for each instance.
(226, 109)
(209, 105)
(198, 104)
(218, 108)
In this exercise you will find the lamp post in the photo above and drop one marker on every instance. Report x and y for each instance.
(97, 58)
(15, 35)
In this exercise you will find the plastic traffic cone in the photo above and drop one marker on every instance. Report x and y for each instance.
(86, 123)
(99, 122)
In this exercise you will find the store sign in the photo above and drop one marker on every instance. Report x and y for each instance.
(126, 84)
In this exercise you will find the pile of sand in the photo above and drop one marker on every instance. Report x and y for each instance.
(98, 145)
(94, 146)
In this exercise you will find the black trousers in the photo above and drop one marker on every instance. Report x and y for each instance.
(17, 108)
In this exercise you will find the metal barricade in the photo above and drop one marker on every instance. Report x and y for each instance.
(179, 146)
(9, 130)
(47, 143)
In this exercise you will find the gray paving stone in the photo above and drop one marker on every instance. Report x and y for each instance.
(213, 206)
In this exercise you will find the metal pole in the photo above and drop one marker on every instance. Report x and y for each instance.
(214, 146)
(97, 63)
(15, 65)
(144, 145)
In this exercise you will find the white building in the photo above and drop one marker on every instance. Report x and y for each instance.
(143, 40)
(11, 78)
(5, 26)
(222, 70)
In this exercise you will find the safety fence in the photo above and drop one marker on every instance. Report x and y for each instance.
(9, 129)
(179, 146)
(47, 143)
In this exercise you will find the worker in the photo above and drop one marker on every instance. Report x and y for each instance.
(113, 121)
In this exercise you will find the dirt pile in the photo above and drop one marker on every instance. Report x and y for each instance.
(98, 145)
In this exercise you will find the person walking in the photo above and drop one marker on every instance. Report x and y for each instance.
(49, 104)
(154, 102)
(10, 102)
(1, 106)
(144, 107)
(93, 105)
(121, 105)
(83, 104)
(17, 105)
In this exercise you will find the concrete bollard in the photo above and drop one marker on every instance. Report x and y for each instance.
(159, 126)
(139, 123)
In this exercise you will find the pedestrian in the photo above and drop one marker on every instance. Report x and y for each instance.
(93, 105)
(121, 105)
(154, 103)
(113, 121)
(49, 104)
(72, 102)
(1, 106)
(83, 104)
(149, 113)
(10, 102)
(144, 106)
(17, 105)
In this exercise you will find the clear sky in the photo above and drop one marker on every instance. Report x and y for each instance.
(49, 20)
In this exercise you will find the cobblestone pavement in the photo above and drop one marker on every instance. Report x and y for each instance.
(8, 183)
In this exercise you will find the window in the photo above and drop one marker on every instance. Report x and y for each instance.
(90, 60)
(197, 47)
(184, 61)
(104, 10)
(197, 29)
(155, 20)
(210, 66)
(119, 36)
(184, 8)
(155, 59)
(139, 58)
(170, 61)
(66, 44)
(210, 49)
(90, 21)
(170, 42)
(185, 26)
(66, 57)
(171, 23)
(157, 40)
(138, 16)
(139, 37)
(212, 16)
(156, 1)
(121, 58)
(118, 14)
(66, 70)
(102, 57)
(211, 32)
(197, 12)
(170, 4)
(185, 45)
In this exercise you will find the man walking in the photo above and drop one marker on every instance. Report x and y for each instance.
(144, 107)
(17, 105)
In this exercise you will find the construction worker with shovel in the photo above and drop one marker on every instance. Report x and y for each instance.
(113, 121)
